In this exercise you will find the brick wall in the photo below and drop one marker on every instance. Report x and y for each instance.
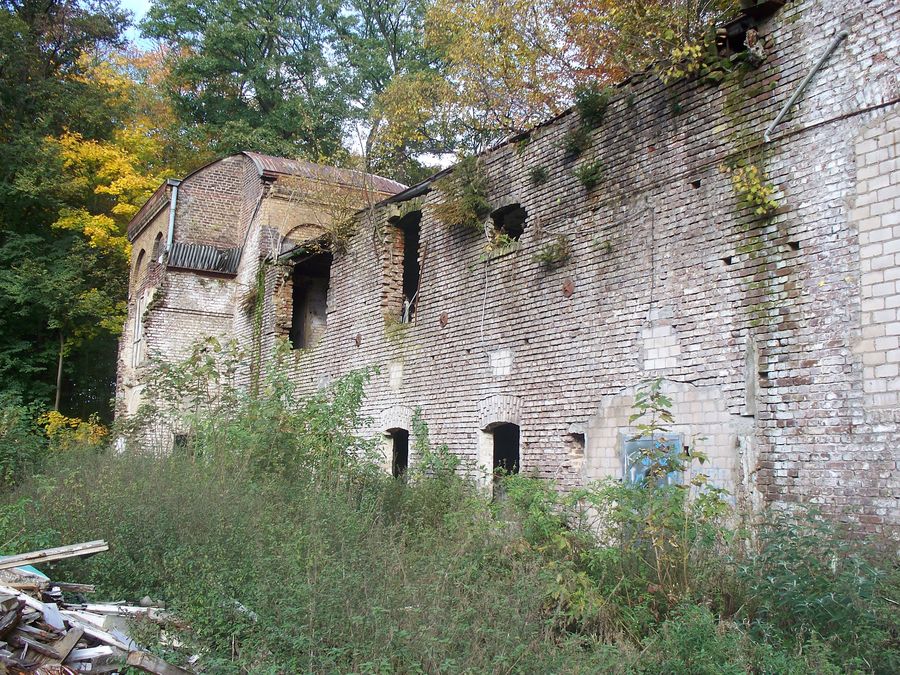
(753, 322)
(776, 336)
(214, 202)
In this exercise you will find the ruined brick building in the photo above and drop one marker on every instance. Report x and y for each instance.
(655, 251)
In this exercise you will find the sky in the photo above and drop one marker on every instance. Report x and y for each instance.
(139, 9)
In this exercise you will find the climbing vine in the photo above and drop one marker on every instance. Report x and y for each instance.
(751, 188)
(255, 299)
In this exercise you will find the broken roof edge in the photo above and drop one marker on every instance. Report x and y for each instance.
(760, 10)
(271, 166)
(268, 166)
(150, 209)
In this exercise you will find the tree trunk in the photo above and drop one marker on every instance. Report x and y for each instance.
(59, 371)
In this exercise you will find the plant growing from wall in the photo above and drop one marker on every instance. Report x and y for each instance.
(592, 104)
(464, 192)
(684, 61)
(395, 329)
(539, 175)
(590, 174)
(604, 245)
(498, 244)
(156, 299)
(555, 253)
(522, 145)
(751, 188)
(258, 293)
(577, 140)
(432, 461)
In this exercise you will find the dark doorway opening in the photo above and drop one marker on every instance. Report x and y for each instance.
(506, 448)
(311, 277)
(399, 452)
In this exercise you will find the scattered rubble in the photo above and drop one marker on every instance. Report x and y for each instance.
(44, 634)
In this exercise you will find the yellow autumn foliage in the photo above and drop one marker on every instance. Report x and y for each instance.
(110, 179)
(66, 433)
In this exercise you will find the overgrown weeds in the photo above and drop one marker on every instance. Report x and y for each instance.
(284, 548)
(464, 196)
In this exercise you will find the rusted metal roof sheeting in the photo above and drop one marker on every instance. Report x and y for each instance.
(266, 164)
(204, 258)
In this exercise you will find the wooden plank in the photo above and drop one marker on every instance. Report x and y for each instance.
(74, 588)
(153, 664)
(38, 634)
(31, 602)
(50, 554)
(93, 631)
(90, 653)
(52, 617)
(84, 617)
(156, 614)
(64, 646)
(20, 639)
(8, 620)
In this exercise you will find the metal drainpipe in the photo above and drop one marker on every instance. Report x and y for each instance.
(172, 206)
(793, 99)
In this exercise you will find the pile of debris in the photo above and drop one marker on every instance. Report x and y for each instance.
(42, 633)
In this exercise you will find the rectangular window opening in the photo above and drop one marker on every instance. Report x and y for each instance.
(576, 444)
(311, 278)
(399, 452)
(506, 448)
(411, 232)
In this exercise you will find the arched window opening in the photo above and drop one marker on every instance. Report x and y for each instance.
(510, 221)
(158, 248)
(138, 263)
(506, 448)
(399, 451)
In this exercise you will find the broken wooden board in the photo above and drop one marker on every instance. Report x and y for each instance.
(74, 588)
(153, 664)
(50, 554)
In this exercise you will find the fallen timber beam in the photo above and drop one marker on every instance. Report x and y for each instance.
(153, 664)
(50, 554)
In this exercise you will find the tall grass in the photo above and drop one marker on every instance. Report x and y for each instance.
(283, 549)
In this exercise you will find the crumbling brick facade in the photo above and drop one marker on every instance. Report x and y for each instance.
(776, 335)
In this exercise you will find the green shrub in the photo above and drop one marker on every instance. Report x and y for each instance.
(464, 195)
(592, 104)
(577, 140)
(808, 581)
(590, 174)
(23, 445)
(539, 175)
(284, 549)
(554, 253)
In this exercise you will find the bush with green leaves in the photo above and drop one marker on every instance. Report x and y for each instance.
(464, 199)
(592, 104)
(554, 253)
(283, 548)
(590, 174)
(539, 175)
(23, 445)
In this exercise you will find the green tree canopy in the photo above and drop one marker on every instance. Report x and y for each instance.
(254, 75)
(60, 298)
